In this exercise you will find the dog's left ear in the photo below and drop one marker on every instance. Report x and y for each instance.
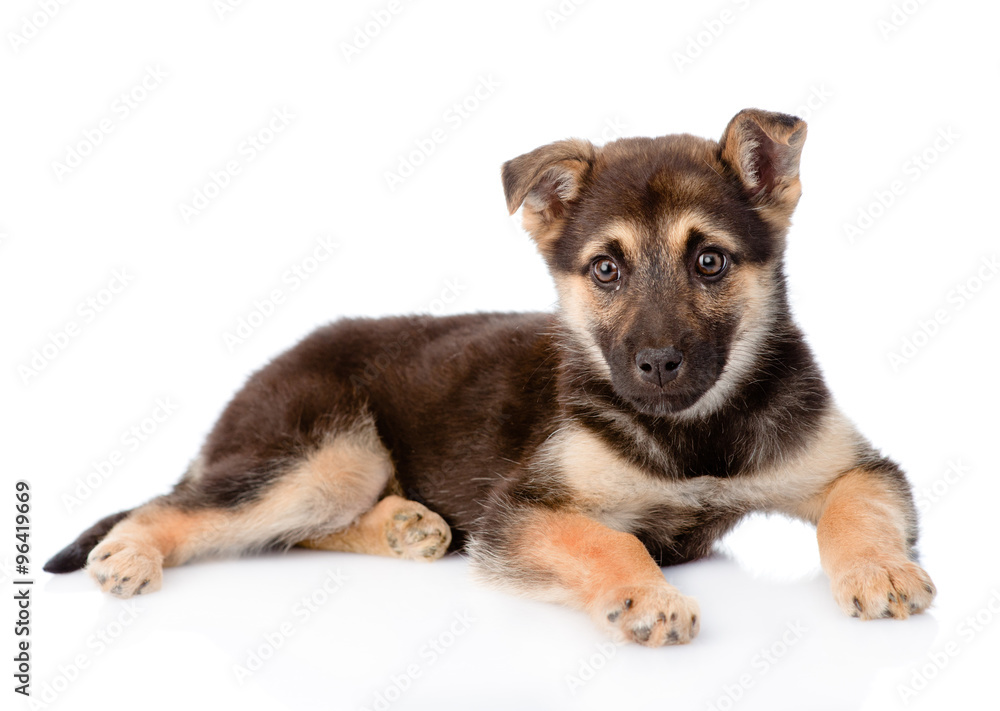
(547, 181)
(763, 149)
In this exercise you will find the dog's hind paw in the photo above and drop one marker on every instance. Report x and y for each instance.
(124, 567)
(415, 532)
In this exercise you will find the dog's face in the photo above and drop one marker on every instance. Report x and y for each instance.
(666, 252)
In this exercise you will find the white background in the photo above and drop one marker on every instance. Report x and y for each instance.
(441, 241)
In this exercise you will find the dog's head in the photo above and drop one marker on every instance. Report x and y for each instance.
(666, 252)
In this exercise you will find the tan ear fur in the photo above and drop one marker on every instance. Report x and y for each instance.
(763, 149)
(546, 181)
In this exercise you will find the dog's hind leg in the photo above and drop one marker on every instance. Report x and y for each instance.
(395, 527)
(324, 490)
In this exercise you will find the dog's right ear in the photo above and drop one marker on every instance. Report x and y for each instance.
(546, 181)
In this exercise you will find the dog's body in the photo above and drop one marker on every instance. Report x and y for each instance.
(573, 454)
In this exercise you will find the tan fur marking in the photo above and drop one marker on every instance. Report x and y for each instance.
(779, 211)
(740, 142)
(577, 306)
(861, 525)
(130, 560)
(753, 286)
(176, 535)
(196, 470)
(677, 229)
(860, 518)
(610, 575)
(332, 487)
(396, 528)
(587, 558)
(618, 494)
(862, 545)
(326, 492)
(626, 234)
(545, 181)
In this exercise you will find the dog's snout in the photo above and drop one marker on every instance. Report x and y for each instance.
(659, 365)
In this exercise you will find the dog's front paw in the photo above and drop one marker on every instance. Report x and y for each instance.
(417, 533)
(875, 589)
(652, 615)
(125, 567)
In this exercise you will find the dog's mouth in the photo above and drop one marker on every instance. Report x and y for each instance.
(675, 391)
(666, 401)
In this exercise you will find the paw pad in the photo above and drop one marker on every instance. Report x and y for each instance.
(653, 615)
(417, 533)
(884, 589)
(124, 567)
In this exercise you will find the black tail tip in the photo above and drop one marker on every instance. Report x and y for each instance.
(70, 558)
(74, 556)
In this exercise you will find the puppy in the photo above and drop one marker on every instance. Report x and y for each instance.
(570, 455)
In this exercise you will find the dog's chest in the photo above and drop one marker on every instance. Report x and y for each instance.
(623, 496)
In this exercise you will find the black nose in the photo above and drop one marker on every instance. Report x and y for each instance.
(659, 365)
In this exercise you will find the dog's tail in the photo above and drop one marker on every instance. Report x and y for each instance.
(74, 556)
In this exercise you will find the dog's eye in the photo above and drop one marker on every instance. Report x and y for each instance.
(711, 263)
(605, 270)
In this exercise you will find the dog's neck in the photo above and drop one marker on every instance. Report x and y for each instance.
(780, 389)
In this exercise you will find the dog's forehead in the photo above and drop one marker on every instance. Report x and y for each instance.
(649, 192)
(649, 179)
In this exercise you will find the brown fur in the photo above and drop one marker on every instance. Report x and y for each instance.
(765, 152)
(548, 446)
(545, 180)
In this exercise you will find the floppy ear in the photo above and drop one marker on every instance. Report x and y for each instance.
(763, 149)
(546, 181)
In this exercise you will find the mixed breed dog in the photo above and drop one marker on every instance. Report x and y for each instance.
(570, 455)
